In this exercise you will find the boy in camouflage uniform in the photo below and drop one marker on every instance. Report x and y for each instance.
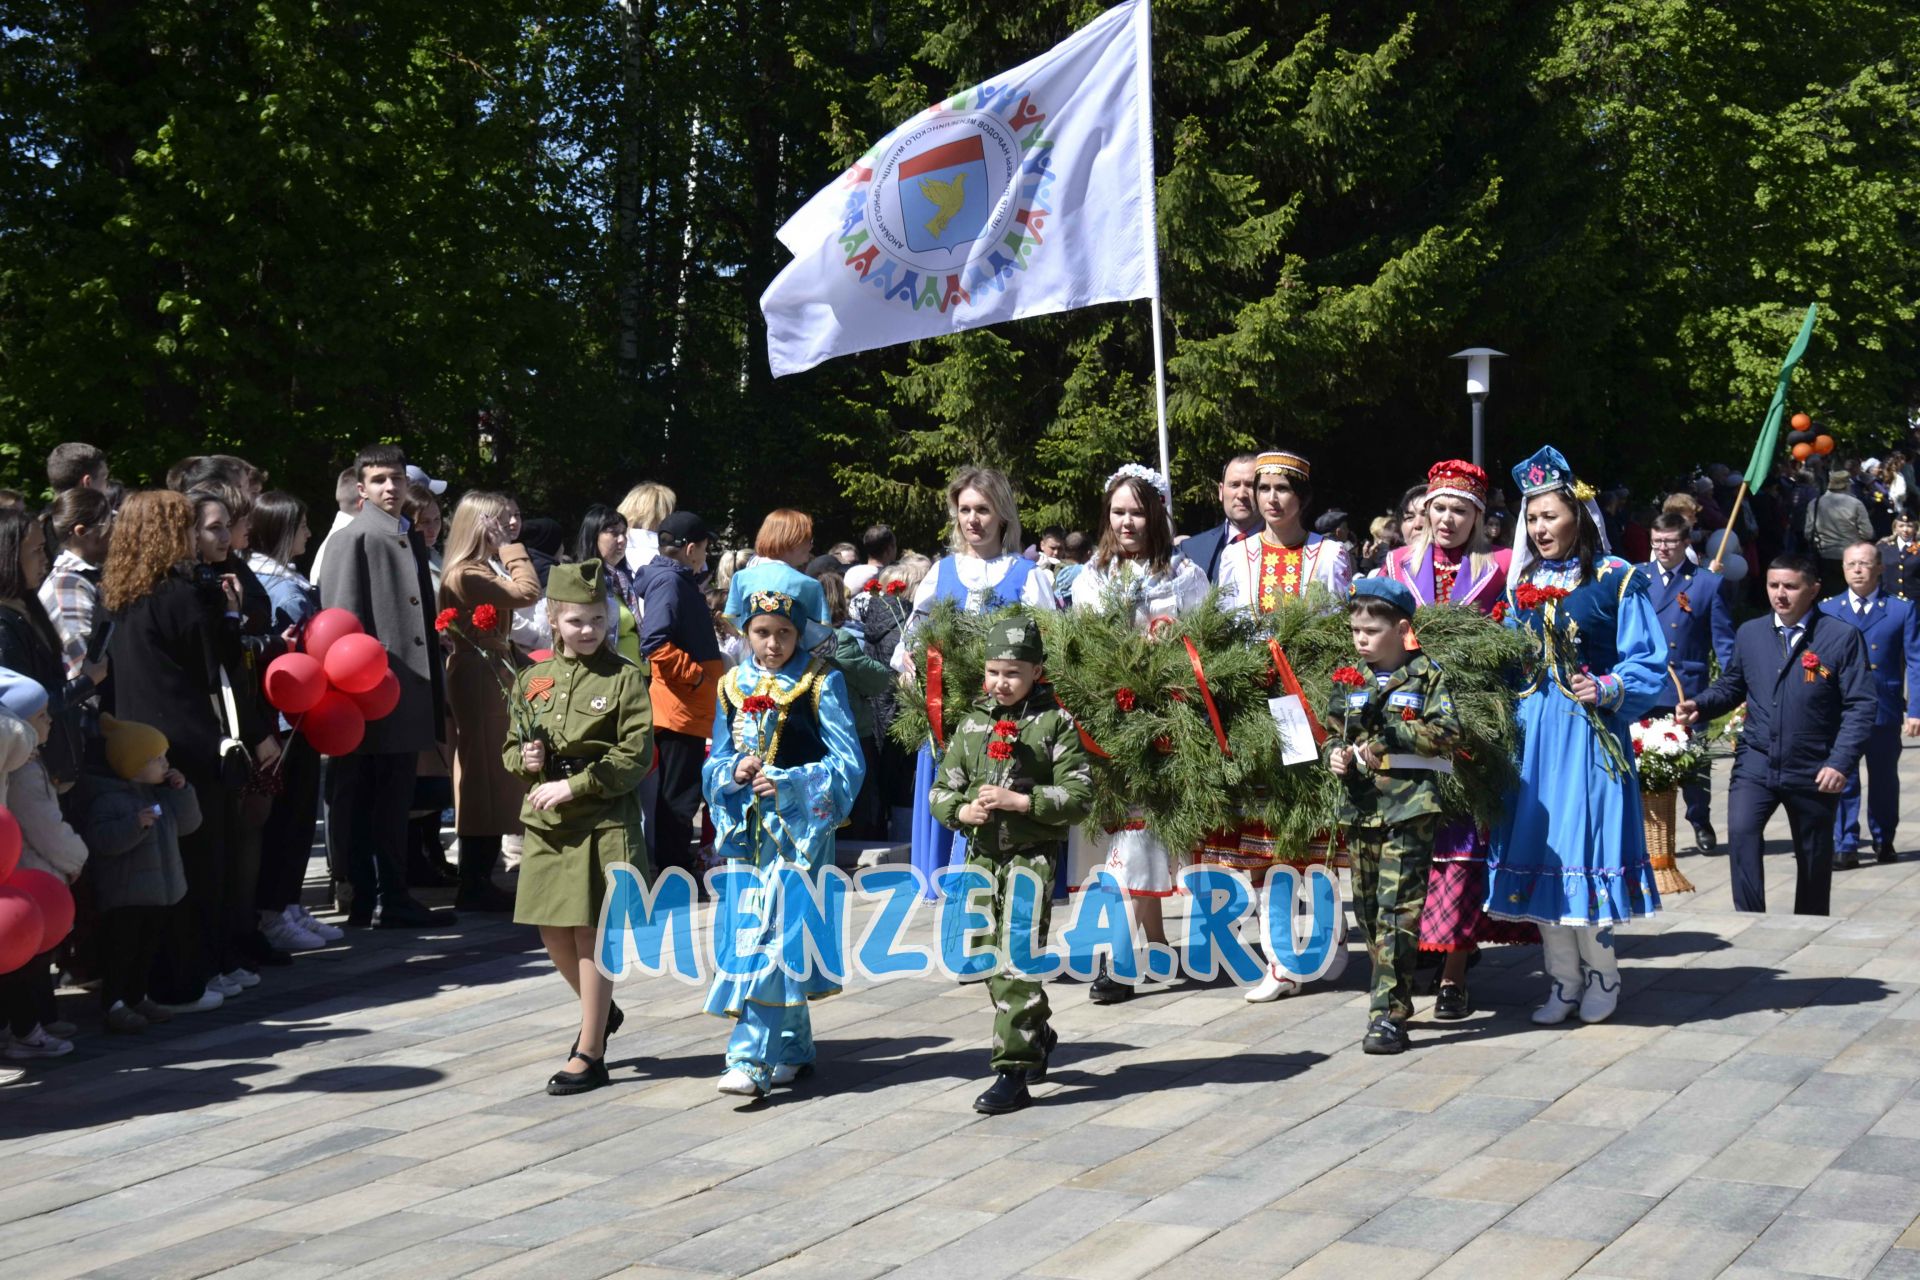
(1396, 732)
(1015, 779)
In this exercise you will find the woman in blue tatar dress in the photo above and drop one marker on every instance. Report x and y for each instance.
(782, 774)
(984, 574)
(1570, 853)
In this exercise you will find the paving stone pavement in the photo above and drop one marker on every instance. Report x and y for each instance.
(377, 1109)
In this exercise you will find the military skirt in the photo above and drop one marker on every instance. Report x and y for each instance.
(563, 878)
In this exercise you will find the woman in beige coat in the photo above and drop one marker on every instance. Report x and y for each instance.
(484, 566)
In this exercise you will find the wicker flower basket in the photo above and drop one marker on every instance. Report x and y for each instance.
(1659, 811)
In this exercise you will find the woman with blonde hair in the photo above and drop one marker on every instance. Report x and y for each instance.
(984, 573)
(486, 573)
(644, 507)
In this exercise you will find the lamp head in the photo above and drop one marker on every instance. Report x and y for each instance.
(1479, 368)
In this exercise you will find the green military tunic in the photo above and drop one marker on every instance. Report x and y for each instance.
(1393, 813)
(1050, 765)
(596, 720)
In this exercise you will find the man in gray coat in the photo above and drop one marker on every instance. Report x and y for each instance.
(376, 569)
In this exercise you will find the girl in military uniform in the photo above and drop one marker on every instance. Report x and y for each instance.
(582, 732)
(782, 774)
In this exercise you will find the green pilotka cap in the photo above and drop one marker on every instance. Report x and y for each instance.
(576, 583)
(1015, 639)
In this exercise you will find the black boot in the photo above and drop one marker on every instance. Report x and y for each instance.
(1008, 1094)
(1048, 1043)
(427, 866)
(478, 892)
(1104, 990)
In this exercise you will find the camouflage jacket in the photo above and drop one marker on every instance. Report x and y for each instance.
(1412, 717)
(1047, 763)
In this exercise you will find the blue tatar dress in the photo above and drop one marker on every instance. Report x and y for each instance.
(1571, 848)
(933, 844)
(812, 754)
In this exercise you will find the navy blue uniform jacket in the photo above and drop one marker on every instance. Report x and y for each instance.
(1891, 627)
(1795, 728)
(1696, 619)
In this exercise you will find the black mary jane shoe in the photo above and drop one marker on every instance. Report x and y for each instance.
(1035, 1075)
(1007, 1094)
(614, 1019)
(1384, 1035)
(563, 1083)
(1453, 1003)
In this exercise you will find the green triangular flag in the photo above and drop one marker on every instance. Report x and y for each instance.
(1760, 466)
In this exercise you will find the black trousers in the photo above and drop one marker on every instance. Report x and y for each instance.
(286, 842)
(368, 798)
(1750, 802)
(26, 995)
(197, 938)
(681, 757)
(130, 938)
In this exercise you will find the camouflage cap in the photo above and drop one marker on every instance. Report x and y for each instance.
(576, 583)
(1014, 639)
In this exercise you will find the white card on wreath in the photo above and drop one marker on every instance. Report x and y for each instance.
(1296, 731)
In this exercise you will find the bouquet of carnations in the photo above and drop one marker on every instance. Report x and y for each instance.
(1667, 754)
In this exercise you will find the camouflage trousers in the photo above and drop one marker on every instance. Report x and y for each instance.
(1390, 866)
(1020, 1008)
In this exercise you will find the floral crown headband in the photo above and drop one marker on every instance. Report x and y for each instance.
(1147, 475)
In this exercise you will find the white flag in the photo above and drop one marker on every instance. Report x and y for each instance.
(1028, 194)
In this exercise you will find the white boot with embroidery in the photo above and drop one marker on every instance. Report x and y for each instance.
(1601, 995)
(1560, 954)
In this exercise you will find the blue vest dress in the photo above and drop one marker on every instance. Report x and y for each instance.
(1571, 848)
(933, 844)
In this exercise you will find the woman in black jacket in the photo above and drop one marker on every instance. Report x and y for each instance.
(30, 645)
(175, 628)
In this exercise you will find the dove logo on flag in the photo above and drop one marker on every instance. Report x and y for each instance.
(945, 191)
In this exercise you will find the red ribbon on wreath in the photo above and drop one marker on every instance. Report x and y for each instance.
(1291, 684)
(935, 697)
(1206, 696)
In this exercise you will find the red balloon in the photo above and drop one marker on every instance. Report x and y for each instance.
(335, 726)
(1823, 445)
(1800, 422)
(55, 901)
(20, 928)
(9, 842)
(295, 682)
(1802, 451)
(540, 655)
(327, 626)
(381, 699)
(355, 663)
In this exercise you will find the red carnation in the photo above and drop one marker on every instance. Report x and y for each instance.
(1499, 612)
(1124, 699)
(446, 619)
(485, 616)
(1526, 596)
(1639, 747)
(756, 704)
(873, 587)
(1349, 676)
(897, 587)
(1810, 660)
(1553, 593)
(1006, 728)
(1163, 744)
(1408, 713)
(1000, 750)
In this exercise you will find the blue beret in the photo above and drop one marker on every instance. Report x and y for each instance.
(1387, 590)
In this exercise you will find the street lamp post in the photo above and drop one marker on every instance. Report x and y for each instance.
(1479, 380)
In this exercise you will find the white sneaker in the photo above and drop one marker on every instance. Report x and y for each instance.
(10, 1074)
(1272, 987)
(37, 1044)
(738, 1083)
(785, 1073)
(221, 985)
(288, 936)
(211, 998)
(244, 976)
(305, 919)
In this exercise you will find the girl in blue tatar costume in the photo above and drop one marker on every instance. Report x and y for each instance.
(1570, 853)
(783, 771)
(984, 574)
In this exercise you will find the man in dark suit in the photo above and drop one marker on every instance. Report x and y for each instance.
(1242, 518)
(1810, 703)
(1891, 628)
(1696, 617)
(376, 569)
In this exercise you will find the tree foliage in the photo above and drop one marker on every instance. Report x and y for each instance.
(532, 248)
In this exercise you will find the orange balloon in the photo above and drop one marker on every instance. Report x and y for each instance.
(1801, 422)
(1802, 451)
(1823, 445)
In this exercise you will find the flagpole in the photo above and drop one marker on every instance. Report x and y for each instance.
(1143, 25)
